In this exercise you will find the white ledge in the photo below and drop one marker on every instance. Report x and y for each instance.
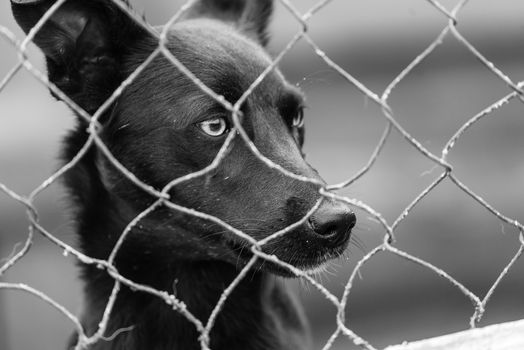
(503, 336)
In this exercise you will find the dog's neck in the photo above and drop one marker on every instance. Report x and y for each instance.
(256, 301)
(253, 317)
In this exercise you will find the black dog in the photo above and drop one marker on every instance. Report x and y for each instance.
(162, 127)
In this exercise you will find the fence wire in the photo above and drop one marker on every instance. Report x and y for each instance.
(204, 327)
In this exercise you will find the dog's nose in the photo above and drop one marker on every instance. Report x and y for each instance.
(333, 221)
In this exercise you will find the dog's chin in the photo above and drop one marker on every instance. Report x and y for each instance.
(317, 263)
(284, 271)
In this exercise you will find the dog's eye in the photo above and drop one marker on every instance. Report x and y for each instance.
(298, 119)
(214, 127)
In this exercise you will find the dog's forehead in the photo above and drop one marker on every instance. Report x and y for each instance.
(216, 48)
(222, 58)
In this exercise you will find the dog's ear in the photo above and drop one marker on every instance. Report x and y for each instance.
(249, 16)
(83, 41)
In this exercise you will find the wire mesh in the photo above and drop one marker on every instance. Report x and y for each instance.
(204, 327)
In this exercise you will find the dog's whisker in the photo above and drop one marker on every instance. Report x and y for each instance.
(358, 243)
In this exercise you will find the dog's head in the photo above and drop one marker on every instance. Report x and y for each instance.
(164, 126)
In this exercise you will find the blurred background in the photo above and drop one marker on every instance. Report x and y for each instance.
(392, 300)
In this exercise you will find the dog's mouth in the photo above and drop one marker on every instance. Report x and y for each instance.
(305, 253)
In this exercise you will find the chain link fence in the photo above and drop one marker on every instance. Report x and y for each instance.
(204, 327)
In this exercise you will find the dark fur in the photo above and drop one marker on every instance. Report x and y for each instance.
(152, 129)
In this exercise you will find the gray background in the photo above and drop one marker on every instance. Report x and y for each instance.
(374, 40)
